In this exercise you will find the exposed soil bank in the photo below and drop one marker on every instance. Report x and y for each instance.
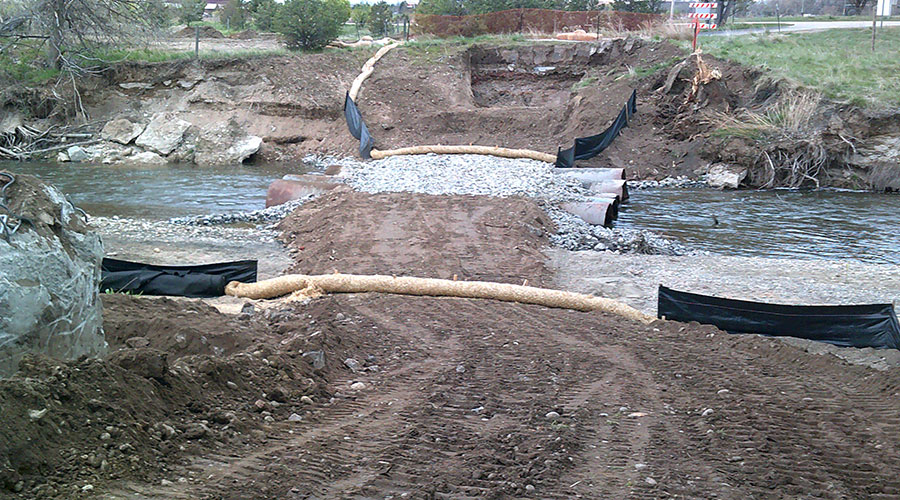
(538, 95)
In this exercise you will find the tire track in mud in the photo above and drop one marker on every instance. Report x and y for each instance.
(783, 423)
(463, 414)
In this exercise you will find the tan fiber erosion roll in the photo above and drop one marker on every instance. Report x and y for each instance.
(369, 67)
(466, 150)
(351, 283)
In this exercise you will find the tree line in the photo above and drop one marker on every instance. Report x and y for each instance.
(470, 7)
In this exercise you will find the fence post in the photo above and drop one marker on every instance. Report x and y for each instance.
(874, 20)
(196, 42)
(598, 25)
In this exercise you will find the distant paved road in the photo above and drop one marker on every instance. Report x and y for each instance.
(803, 26)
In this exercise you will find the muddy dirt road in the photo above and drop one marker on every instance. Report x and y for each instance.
(455, 398)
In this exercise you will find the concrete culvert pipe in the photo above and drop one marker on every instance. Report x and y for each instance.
(589, 176)
(611, 186)
(466, 150)
(598, 212)
(350, 283)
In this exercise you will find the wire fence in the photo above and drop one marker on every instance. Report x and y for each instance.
(531, 21)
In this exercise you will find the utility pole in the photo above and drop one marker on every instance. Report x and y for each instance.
(672, 10)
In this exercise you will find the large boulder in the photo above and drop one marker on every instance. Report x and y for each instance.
(225, 144)
(121, 130)
(163, 134)
(49, 278)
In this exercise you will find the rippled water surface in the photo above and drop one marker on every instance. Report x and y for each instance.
(781, 223)
(158, 192)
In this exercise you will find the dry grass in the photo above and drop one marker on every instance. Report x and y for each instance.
(789, 117)
(670, 30)
(793, 152)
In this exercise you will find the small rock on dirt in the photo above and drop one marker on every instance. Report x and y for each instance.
(195, 431)
(552, 415)
(35, 415)
(294, 418)
(306, 400)
(353, 365)
(357, 386)
(316, 359)
(144, 361)
(650, 481)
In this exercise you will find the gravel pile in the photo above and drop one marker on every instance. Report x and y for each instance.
(669, 182)
(263, 216)
(462, 174)
(576, 234)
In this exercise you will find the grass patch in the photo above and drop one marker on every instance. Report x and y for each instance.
(157, 55)
(838, 63)
(642, 71)
(585, 82)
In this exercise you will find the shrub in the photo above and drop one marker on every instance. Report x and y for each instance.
(265, 13)
(311, 24)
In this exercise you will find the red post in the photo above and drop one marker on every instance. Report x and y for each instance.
(696, 32)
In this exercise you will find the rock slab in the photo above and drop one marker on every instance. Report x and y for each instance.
(49, 279)
(163, 134)
(226, 143)
(121, 130)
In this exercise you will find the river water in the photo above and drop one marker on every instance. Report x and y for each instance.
(781, 223)
(159, 191)
(827, 224)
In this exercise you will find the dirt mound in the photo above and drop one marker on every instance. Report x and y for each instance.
(244, 35)
(205, 32)
(183, 379)
(177, 326)
(470, 237)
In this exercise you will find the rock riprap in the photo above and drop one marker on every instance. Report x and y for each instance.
(49, 279)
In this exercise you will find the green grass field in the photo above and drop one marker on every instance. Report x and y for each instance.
(839, 63)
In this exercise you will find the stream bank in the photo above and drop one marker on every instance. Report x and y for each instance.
(536, 95)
